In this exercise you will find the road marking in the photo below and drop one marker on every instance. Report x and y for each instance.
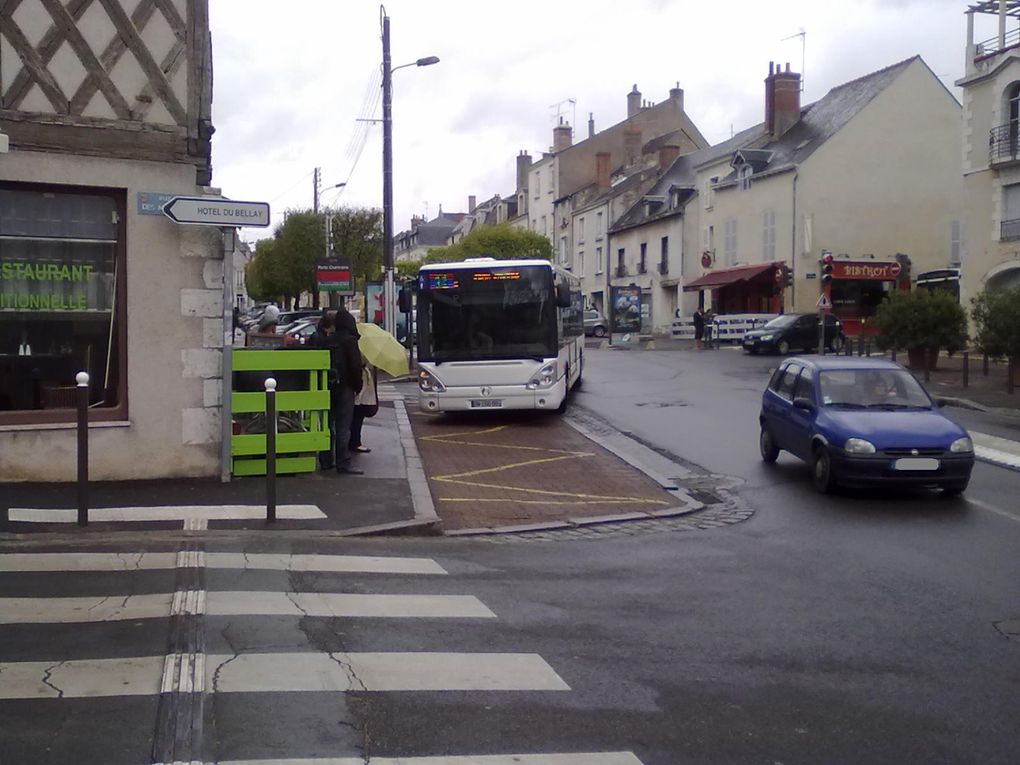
(992, 509)
(579, 758)
(277, 672)
(245, 603)
(182, 513)
(79, 610)
(291, 672)
(81, 678)
(69, 562)
(345, 604)
(576, 498)
(998, 451)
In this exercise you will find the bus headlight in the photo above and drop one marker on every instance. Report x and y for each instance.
(544, 378)
(429, 383)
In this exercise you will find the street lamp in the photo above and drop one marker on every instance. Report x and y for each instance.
(387, 85)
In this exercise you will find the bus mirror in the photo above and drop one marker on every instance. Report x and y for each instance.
(404, 300)
(562, 295)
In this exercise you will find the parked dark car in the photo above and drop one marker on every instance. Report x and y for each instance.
(595, 324)
(862, 422)
(289, 319)
(794, 332)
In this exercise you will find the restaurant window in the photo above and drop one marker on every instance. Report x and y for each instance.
(61, 302)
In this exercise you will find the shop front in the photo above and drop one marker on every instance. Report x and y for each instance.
(742, 289)
(859, 287)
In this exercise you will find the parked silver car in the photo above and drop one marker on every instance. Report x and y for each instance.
(595, 324)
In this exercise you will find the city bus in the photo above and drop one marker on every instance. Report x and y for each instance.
(498, 334)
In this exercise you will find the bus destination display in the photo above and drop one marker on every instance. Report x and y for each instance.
(440, 281)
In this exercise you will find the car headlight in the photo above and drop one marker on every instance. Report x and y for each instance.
(961, 446)
(858, 446)
(429, 383)
(545, 377)
(766, 337)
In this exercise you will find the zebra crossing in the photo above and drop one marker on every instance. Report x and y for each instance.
(242, 633)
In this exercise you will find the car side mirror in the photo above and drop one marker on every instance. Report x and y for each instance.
(939, 402)
(804, 403)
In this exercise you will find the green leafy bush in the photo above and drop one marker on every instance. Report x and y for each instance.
(997, 320)
(922, 319)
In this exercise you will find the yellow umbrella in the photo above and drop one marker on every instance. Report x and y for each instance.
(382, 350)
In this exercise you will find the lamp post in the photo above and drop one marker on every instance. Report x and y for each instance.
(389, 324)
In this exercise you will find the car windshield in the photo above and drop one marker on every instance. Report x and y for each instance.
(872, 389)
(781, 321)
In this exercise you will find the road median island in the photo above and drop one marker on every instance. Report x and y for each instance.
(514, 470)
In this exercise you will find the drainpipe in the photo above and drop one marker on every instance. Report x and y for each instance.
(793, 250)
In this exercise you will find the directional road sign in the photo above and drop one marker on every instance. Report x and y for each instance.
(206, 211)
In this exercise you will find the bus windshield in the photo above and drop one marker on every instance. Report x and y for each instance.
(486, 312)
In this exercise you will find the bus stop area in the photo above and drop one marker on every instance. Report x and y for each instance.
(518, 470)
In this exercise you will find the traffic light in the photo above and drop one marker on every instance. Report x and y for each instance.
(826, 266)
(787, 276)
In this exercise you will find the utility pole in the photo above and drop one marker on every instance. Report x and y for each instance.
(387, 86)
(315, 189)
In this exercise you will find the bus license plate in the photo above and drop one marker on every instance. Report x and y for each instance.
(916, 463)
(486, 403)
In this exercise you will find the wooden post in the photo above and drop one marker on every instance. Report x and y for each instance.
(966, 369)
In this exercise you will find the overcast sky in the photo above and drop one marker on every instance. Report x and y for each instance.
(292, 80)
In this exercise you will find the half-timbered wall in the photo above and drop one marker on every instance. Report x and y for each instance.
(118, 78)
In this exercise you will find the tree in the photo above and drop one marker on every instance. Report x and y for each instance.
(358, 240)
(922, 322)
(301, 241)
(503, 242)
(266, 275)
(997, 320)
(408, 269)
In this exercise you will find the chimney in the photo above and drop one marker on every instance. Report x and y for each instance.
(523, 165)
(676, 95)
(602, 170)
(591, 124)
(631, 143)
(782, 100)
(562, 136)
(471, 204)
(633, 101)
(666, 156)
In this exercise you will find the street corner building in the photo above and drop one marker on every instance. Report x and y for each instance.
(104, 117)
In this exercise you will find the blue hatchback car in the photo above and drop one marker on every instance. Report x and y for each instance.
(862, 422)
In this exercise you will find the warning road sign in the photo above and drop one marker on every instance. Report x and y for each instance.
(823, 304)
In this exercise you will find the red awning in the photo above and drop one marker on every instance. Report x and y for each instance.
(723, 276)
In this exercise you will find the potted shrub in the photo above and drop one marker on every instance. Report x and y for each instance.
(997, 321)
(922, 323)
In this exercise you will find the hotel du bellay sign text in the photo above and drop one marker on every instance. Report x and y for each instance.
(208, 211)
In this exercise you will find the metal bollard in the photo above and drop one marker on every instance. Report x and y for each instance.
(82, 378)
(270, 450)
(984, 366)
(892, 357)
(848, 349)
(1010, 374)
(860, 345)
(867, 349)
(966, 369)
(928, 361)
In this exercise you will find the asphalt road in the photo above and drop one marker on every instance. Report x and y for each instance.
(865, 627)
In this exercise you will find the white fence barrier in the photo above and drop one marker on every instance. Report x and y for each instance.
(726, 328)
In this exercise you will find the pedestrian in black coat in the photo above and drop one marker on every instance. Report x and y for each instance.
(339, 335)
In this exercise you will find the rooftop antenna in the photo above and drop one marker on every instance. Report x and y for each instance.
(558, 106)
(802, 34)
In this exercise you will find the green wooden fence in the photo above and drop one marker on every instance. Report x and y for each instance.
(302, 394)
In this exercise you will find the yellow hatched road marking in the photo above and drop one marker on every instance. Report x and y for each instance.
(577, 498)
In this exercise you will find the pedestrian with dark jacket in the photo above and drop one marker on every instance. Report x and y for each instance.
(699, 327)
(339, 335)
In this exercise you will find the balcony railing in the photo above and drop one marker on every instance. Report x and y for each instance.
(1004, 143)
(664, 267)
(621, 271)
(991, 46)
(1009, 229)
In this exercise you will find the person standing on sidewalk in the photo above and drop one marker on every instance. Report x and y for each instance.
(366, 404)
(338, 334)
(699, 327)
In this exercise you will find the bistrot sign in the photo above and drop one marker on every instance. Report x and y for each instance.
(207, 211)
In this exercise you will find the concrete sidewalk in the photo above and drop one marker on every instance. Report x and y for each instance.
(391, 496)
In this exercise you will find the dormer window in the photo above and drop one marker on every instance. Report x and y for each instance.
(744, 174)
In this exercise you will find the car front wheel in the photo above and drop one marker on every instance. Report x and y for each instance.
(955, 489)
(767, 445)
(783, 347)
(822, 473)
(599, 331)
